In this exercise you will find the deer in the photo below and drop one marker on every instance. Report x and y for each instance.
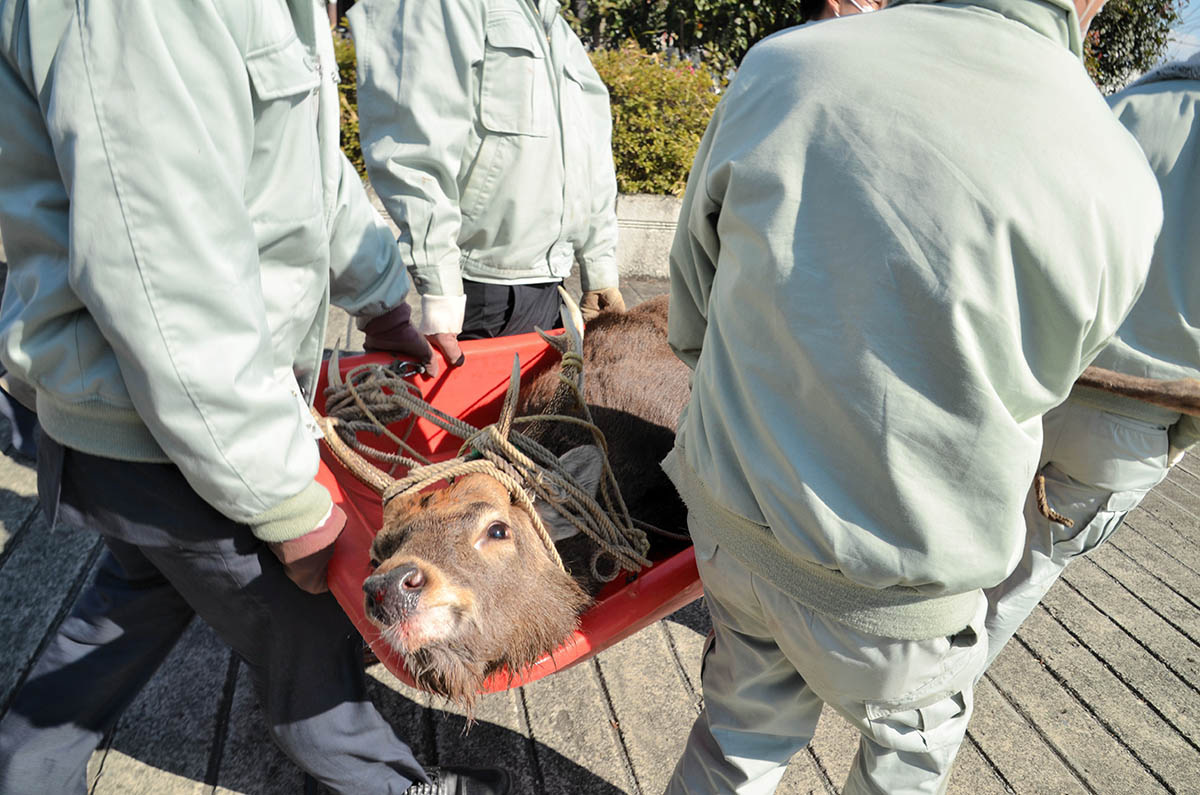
(463, 586)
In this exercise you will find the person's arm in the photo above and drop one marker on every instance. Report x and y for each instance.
(694, 256)
(152, 119)
(1183, 436)
(597, 254)
(415, 64)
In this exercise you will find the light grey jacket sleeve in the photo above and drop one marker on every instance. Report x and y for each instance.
(367, 275)
(694, 256)
(421, 53)
(152, 123)
(597, 255)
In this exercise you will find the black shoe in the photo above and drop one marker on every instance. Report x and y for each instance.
(462, 781)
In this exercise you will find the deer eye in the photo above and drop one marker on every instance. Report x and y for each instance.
(497, 531)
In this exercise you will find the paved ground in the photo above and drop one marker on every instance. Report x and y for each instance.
(1099, 693)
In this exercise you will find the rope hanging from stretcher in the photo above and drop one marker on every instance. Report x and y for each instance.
(371, 397)
(1182, 395)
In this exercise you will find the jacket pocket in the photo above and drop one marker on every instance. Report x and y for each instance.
(514, 94)
(281, 70)
(283, 190)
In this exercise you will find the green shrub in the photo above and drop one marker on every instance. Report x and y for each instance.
(343, 49)
(660, 108)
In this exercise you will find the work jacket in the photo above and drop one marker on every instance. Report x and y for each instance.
(176, 211)
(1161, 337)
(487, 135)
(904, 236)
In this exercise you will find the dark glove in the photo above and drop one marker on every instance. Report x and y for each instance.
(447, 343)
(306, 558)
(394, 332)
(596, 301)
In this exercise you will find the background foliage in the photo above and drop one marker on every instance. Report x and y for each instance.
(1126, 38)
(666, 62)
(343, 48)
(660, 107)
(717, 32)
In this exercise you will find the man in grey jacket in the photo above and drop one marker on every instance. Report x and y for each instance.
(177, 217)
(882, 280)
(487, 134)
(1102, 453)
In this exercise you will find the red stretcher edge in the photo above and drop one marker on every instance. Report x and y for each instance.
(473, 392)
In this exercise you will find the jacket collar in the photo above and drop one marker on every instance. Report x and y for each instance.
(1057, 20)
(1188, 69)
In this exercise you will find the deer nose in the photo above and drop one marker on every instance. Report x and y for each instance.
(393, 593)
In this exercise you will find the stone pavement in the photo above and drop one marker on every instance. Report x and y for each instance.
(1099, 692)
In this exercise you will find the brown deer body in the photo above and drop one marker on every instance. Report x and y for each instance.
(463, 585)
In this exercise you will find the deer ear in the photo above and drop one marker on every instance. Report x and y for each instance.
(585, 465)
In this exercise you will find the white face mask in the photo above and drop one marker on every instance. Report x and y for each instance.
(862, 9)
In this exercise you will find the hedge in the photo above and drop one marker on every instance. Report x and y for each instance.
(660, 108)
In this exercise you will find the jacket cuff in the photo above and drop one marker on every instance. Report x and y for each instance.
(1184, 434)
(442, 314)
(294, 517)
(599, 273)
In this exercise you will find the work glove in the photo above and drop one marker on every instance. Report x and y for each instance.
(306, 558)
(447, 343)
(1175, 455)
(394, 332)
(596, 301)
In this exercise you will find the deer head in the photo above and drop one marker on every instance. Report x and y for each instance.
(464, 585)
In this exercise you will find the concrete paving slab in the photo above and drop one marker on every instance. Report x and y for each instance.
(164, 741)
(1101, 762)
(1173, 528)
(1177, 575)
(1121, 711)
(408, 710)
(498, 737)
(250, 763)
(1147, 587)
(1175, 699)
(683, 627)
(973, 775)
(834, 746)
(1016, 749)
(569, 711)
(1176, 650)
(652, 703)
(38, 582)
(18, 497)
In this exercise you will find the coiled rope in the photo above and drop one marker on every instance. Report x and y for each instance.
(372, 396)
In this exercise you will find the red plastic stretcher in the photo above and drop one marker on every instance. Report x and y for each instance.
(473, 392)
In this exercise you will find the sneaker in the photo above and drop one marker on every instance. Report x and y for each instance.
(462, 781)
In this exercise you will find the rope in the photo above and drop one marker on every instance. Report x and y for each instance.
(1043, 506)
(372, 397)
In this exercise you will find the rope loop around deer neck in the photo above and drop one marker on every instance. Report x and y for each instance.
(373, 393)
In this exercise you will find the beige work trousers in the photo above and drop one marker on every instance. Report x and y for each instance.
(1097, 467)
(772, 663)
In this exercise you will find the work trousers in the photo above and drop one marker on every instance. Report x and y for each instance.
(501, 310)
(169, 556)
(772, 663)
(1097, 468)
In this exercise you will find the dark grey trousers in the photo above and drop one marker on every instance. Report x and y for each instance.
(170, 556)
(501, 310)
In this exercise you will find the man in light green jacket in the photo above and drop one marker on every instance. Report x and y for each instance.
(895, 254)
(177, 217)
(486, 132)
(1102, 453)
